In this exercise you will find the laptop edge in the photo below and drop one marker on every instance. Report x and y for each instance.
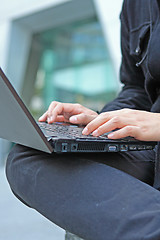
(29, 128)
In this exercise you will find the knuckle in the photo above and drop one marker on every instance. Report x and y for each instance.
(59, 104)
(53, 102)
(84, 116)
(126, 110)
(78, 105)
(144, 129)
(116, 120)
(51, 107)
(102, 115)
(129, 129)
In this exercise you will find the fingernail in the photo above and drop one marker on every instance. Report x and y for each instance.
(73, 119)
(49, 119)
(40, 118)
(85, 131)
(95, 133)
(111, 135)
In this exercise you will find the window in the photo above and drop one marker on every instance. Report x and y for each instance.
(75, 66)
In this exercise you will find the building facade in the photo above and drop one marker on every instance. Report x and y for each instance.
(64, 50)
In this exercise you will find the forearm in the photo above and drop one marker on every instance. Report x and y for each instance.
(130, 97)
(133, 94)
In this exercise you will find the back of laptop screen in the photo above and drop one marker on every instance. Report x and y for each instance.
(16, 123)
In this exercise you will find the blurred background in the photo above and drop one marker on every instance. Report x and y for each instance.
(63, 50)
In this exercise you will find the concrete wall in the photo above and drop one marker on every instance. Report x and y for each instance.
(13, 57)
(11, 10)
(108, 12)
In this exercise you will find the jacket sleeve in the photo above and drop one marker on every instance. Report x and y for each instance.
(133, 94)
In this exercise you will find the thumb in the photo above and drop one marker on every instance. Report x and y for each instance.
(81, 118)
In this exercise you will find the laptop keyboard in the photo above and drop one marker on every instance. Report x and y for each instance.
(69, 131)
(65, 130)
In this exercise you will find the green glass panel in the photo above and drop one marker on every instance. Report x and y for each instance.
(76, 65)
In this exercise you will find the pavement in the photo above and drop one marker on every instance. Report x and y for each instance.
(18, 222)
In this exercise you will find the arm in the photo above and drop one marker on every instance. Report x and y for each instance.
(133, 94)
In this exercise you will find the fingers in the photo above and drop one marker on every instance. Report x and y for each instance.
(113, 123)
(107, 122)
(57, 112)
(74, 113)
(132, 131)
(135, 123)
(55, 109)
(81, 118)
(104, 123)
(44, 117)
(96, 123)
(47, 116)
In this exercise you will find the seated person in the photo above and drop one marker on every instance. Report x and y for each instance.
(105, 196)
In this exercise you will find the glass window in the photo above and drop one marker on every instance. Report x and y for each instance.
(75, 66)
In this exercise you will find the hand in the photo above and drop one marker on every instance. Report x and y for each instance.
(68, 112)
(141, 125)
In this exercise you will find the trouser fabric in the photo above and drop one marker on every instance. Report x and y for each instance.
(95, 196)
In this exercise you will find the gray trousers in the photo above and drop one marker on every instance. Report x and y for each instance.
(106, 196)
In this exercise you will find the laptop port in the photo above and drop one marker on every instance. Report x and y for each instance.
(141, 147)
(112, 148)
(132, 147)
(123, 148)
(64, 147)
(74, 147)
(149, 147)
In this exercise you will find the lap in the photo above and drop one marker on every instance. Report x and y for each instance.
(26, 166)
(72, 190)
(139, 164)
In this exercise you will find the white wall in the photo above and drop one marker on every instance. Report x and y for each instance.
(18, 8)
(4, 40)
(13, 10)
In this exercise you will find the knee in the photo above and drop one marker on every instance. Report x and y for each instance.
(17, 175)
(11, 169)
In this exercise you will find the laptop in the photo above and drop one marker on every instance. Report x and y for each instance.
(17, 125)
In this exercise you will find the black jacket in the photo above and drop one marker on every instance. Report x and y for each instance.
(140, 67)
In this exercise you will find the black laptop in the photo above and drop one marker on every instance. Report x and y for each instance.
(17, 125)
